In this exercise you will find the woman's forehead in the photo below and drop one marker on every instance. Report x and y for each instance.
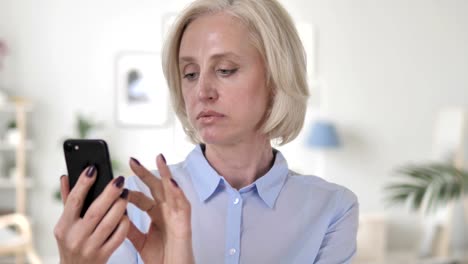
(217, 36)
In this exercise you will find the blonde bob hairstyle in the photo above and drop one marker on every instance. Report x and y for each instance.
(272, 32)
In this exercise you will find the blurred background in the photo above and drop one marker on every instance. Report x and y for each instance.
(388, 82)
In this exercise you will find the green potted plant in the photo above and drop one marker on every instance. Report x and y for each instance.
(84, 126)
(427, 187)
(12, 134)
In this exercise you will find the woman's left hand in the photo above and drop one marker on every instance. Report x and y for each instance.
(169, 238)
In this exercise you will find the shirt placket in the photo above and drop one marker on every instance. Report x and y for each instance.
(233, 232)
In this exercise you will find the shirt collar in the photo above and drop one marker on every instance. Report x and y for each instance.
(206, 180)
(269, 185)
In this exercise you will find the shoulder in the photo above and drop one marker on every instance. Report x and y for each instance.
(314, 182)
(318, 188)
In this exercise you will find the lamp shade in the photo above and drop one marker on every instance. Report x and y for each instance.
(323, 135)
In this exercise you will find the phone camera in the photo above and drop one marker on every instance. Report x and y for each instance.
(68, 147)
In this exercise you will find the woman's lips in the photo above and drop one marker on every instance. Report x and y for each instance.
(209, 117)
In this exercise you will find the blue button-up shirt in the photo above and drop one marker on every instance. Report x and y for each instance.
(282, 217)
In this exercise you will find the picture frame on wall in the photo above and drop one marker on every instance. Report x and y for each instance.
(142, 96)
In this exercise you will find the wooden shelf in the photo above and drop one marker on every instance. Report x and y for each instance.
(21, 240)
(10, 106)
(5, 146)
(6, 183)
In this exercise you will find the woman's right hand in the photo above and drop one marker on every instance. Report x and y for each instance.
(93, 238)
(169, 238)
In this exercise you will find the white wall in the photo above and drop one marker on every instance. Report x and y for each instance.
(388, 67)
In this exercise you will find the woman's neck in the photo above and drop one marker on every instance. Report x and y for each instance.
(241, 164)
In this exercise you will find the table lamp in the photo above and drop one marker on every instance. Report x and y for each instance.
(322, 137)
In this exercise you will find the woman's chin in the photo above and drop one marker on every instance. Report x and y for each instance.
(216, 138)
(213, 140)
(224, 136)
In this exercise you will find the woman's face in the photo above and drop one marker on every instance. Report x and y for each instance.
(223, 80)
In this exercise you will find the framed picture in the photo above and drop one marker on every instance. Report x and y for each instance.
(142, 96)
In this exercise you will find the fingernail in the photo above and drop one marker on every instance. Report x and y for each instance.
(119, 182)
(163, 158)
(62, 176)
(90, 171)
(124, 194)
(136, 161)
(175, 183)
(125, 213)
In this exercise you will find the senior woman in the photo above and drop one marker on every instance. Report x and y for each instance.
(236, 72)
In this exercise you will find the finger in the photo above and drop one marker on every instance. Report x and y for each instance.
(153, 183)
(167, 181)
(77, 195)
(145, 204)
(174, 195)
(135, 236)
(180, 198)
(109, 222)
(103, 202)
(117, 238)
(64, 188)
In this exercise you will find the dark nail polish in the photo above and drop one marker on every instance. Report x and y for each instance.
(90, 171)
(175, 183)
(124, 194)
(136, 161)
(119, 182)
(125, 213)
(163, 158)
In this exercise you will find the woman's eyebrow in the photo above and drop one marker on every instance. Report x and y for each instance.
(186, 59)
(225, 55)
(217, 56)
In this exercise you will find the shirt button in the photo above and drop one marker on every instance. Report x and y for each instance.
(232, 251)
(236, 201)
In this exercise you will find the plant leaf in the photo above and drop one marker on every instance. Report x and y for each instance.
(427, 186)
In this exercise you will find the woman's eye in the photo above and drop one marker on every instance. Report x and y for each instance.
(226, 72)
(190, 76)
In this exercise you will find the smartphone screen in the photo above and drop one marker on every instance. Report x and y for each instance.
(81, 153)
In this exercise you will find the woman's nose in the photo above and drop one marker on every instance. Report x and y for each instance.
(207, 90)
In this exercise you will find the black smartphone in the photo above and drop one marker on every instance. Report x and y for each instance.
(81, 153)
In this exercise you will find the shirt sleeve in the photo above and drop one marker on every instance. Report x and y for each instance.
(339, 243)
